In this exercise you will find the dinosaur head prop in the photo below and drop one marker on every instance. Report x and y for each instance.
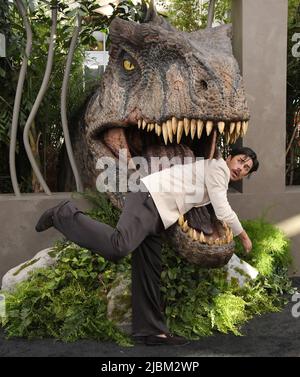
(169, 93)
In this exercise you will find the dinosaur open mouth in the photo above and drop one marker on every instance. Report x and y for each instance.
(176, 138)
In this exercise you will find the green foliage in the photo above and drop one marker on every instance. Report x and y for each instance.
(191, 15)
(102, 210)
(270, 247)
(68, 301)
(228, 310)
(47, 122)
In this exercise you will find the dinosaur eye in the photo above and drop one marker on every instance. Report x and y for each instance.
(128, 65)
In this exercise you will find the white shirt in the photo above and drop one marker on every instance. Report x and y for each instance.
(192, 185)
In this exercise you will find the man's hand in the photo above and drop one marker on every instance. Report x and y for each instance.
(247, 244)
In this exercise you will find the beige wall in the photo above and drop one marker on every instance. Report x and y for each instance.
(18, 239)
(260, 45)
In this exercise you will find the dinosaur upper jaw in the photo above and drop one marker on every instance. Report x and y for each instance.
(172, 138)
(177, 137)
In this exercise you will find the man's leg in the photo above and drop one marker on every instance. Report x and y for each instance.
(84, 231)
(148, 323)
(147, 317)
(135, 223)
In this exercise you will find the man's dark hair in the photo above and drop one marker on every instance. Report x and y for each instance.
(249, 153)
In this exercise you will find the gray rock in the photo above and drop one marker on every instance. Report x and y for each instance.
(119, 303)
(42, 259)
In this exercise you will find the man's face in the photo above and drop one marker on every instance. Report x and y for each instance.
(239, 166)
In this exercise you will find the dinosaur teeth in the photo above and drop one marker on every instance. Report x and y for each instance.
(193, 128)
(187, 125)
(209, 127)
(229, 236)
(165, 133)
(200, 125)
(221, 126)
(174, 125)
(193, 234)
(150, 127)
(157, 129)
(227, 137)
(185, 226)
(238, 128)
(244, 128)
(200, 236)
(224, 240)
(234, 138)
(179, 131)
(181, 220)
(232, 127)
(173, 129)
(170, 131)
(217, 242)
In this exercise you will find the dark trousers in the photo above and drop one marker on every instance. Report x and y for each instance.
(138, 231)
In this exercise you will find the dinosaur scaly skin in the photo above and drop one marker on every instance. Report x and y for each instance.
(170, 93)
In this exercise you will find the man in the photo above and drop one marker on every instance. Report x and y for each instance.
(145, 215)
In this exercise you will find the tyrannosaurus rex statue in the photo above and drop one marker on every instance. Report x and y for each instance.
(168, 93)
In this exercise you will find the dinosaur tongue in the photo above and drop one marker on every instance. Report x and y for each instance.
(115, 139)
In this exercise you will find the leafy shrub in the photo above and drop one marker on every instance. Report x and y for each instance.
(67, 301)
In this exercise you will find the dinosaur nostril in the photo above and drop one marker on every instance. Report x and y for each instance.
(203, 85)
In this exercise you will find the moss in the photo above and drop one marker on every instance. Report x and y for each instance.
(241, 272)
(53, 253)
(123, 305)
(25, 265)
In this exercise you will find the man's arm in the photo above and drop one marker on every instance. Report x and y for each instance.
(216, 182)
(247, 244)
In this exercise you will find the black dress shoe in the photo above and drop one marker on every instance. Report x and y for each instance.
(168, 340)
(46, 220)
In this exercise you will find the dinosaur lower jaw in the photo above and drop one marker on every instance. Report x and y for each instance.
(221, 234)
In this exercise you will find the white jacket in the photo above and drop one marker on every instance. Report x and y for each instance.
(178, 189)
